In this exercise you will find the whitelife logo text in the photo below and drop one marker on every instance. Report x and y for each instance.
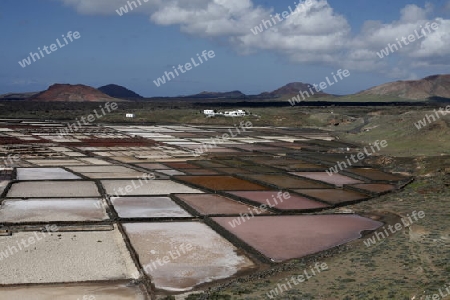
(187, 67)
(49, 50)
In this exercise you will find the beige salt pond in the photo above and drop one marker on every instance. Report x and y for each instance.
(101, 172)
(99, 291)
(44, 189)
(66, 256)
(44, 174)
(52, 210)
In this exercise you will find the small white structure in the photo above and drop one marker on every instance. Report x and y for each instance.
(129, 115)
(209, 112)
(234, 113)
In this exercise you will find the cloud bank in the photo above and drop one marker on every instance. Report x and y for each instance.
(317, 34)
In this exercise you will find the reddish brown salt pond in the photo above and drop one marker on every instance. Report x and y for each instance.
(278, 201)
(200, 171)
(233, 170)
(209, 164)
(333, 196)
(281, 238)
(374, 174)
(377, 188)
(221, 183)
(211, 204)
(300, 166)
(251, 147)
(181, 165)
(153, 166)
(285, 182)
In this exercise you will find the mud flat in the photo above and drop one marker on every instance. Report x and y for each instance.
(181, 255)
(281, 238)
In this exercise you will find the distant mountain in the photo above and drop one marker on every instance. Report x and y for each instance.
(218, 95)
(118, 91)
(71, 93)
(436, 86)
(17, 96)
(292, 89)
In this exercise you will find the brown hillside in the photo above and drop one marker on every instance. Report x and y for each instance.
(432, 86)
(71, 93)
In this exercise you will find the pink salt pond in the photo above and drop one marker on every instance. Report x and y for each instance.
(286, 182)
(281, 238)
(336, 179)
(279, 200)
(333, 196)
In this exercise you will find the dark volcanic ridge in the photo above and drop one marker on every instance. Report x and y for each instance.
(431, 88)
(17, 96)
(218, 95)
(118, 91)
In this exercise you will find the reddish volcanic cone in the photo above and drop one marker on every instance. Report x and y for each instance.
(72, 93)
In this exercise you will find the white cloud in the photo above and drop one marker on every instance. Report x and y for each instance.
(316, 34)
(413, 13)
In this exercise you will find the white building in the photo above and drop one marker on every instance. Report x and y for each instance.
(129, 115)
(234, 113)
(209, 112)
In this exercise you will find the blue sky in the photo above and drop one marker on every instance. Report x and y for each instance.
(135, 49)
